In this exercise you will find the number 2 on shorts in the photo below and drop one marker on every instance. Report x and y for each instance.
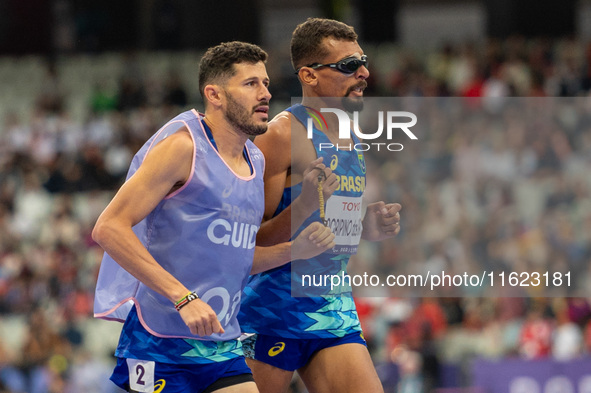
(141, 375)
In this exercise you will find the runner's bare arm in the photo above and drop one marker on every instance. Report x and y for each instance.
(280, 155)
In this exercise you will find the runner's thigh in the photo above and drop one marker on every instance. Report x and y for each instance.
(346, 368)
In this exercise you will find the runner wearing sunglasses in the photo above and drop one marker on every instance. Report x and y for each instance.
(319, 336)
(346, 66)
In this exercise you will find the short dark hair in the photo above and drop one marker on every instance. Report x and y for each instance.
(306, 40)
(218, 62)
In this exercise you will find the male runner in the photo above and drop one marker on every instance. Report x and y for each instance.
(319, 336)
(180, 236)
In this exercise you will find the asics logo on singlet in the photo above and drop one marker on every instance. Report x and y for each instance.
(236, 234)
(227, 191)
(276, 349)
(334, 162)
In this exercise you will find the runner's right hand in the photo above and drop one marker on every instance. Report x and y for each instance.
(201, 318)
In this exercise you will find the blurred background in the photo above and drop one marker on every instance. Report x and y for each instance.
(84, 84)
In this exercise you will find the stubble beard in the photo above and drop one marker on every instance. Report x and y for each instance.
(241, 118)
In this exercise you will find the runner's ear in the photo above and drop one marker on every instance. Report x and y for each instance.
(308, 76)
(212, 95)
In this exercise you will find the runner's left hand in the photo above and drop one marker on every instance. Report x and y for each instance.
(381, 221)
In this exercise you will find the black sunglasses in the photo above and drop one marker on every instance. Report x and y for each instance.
(346, 66)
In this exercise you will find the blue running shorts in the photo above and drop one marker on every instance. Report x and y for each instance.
(143, 376)
(291, 354)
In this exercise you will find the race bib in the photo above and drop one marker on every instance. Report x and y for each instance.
(141, 375)
(343, 215)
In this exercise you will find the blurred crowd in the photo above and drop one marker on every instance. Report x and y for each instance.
(489, 185)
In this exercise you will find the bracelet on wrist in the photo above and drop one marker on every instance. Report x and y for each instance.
(189, 297)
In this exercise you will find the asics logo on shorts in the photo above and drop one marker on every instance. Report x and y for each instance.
(159, 385)
(276, 349)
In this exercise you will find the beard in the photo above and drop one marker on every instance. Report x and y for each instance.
(352, 104)
(241, 118)
(356, 103)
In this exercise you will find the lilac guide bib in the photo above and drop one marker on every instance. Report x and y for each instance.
(203, 234)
